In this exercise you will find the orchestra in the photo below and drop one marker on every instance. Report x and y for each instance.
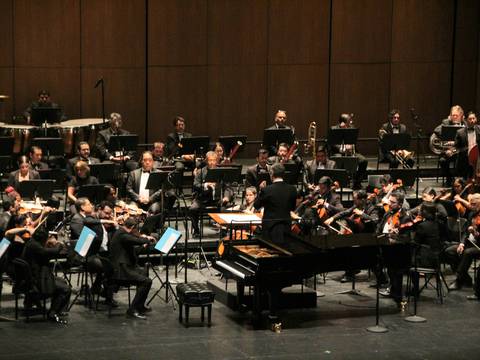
(306, 206)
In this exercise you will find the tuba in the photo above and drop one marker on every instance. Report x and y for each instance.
(311, 139)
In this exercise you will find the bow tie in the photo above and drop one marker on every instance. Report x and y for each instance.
(146, 171)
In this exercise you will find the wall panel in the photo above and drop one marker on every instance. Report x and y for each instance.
(302, 91)
(298, 31)
(177, 91)
(124, 93)
(6, 88)
(113, 33)
(6, 33)
(237, 31)
(47, 33)
(361, 31)
(177, 32)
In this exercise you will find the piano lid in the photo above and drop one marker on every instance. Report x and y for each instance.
(335, 241)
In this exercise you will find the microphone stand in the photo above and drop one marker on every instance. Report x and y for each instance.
(419, 132)
(102, 83)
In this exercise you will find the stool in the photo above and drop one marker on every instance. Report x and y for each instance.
(195, 295)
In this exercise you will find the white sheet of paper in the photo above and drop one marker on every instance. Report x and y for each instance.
(240, 218)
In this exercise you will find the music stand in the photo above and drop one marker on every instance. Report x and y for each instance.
(50, 146)
(349, 163)
(105, 172)
(123, 143)
(223, 175)
(6, 145)
(54, 174)
(263, 176)
(395, 141)
(41, 115)
(38, 187)
(230, 141)
(342, 136)
(151, 224)
(273, 137)
(449, 132)
(164, 245)
(408, 176)
(291, 173)
(339, 175)
(197, 145)
(96, 193)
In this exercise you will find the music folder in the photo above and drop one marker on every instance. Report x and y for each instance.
(4, 244)
(85, 241)
(168, 240)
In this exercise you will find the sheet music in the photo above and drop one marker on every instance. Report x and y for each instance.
(85, 241)
(240, 218)
(168, 239)
(4, 244)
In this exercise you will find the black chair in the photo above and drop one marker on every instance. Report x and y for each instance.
(24, 284)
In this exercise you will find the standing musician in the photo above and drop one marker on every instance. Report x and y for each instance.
(83, 154)
(103, 139)
(466, 143)
(97, 256)
(207, 193)
(278, 201)
(38, 256)
(122, 256)
(390, 226)
(345, 121)
(464, 252)
(280, 123)
(24, 172)
(446, 150)
(82, 177)
(393, 126)
(136, 187)
(174, 138)
(259, 173)
(321, 161)
(44, 101)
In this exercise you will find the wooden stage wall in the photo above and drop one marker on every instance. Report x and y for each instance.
(227, 65)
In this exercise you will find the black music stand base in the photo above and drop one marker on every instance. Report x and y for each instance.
(168, 287)
(352, 291)
(377, 329)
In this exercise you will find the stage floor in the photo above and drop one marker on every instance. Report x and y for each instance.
(335, 329)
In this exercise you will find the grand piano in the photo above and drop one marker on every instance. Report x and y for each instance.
(269, 265)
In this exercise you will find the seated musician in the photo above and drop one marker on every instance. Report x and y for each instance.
(44, 101)
(466, 139)
(462, 254)
(83, 154)
(345, 121)
(285, 156)
(36, 162)
(458, 194)
(103, 139)
(393, 126)
(280, 123)
(38, 255)
(390, 225)
(321, 161)
(174, 138)
(97, 256)
(248, 205)
(258, 173)
(126, 271)
(278, 201)
(429, 196)
(207, 193)
(24, 172)
(158, 154)
(137, 191)
(82, 177)
(446, 150)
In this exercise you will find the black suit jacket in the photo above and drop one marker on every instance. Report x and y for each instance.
(13, 178)
(122, 254)
(205, 196)
(103, 138)
(461, 144)
(133, 186)
(388, 128)
(38, 256)
(76, 226)
(171, 144)
(252, 175)
(277, 201)
(311, 168)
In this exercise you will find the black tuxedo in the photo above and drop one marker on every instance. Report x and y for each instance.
(133, 186)
(122, 256)
(384, 154)
(13, 178)
(171, 144)
(277, 201)
(311, 167)
(461, 144)
(103, 139)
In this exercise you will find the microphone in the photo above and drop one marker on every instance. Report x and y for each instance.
(99, 81)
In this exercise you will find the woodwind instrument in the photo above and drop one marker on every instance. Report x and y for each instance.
(290, 152)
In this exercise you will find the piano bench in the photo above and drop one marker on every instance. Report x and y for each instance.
(195, 295)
